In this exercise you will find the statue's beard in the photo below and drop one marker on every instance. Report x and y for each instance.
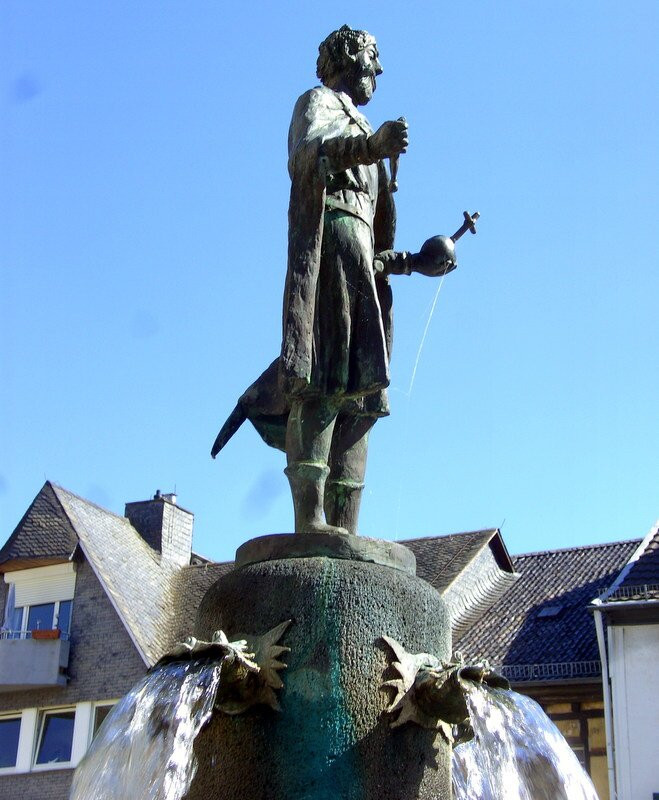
(363, 87)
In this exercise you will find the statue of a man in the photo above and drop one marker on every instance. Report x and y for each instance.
(320, 398)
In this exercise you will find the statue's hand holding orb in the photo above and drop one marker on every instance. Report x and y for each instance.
(436, 257)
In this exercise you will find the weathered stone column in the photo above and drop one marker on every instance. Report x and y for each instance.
(331, 740)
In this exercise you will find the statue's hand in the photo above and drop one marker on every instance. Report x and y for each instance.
(393, 262)
(390, 139)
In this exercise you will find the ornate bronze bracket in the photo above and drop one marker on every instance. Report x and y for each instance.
(431, 692)
(250, 667)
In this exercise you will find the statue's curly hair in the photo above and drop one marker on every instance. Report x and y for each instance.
(339, 50)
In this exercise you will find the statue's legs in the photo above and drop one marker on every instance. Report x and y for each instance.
(308, 440)
(347, 463)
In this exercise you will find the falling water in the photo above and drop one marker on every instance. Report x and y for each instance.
(516, 754)
(144, 747)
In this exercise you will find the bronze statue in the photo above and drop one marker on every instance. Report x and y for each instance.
(320, 398)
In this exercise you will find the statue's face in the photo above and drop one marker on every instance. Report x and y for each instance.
(360, 76)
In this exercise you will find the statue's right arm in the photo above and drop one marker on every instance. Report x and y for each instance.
(320, 127)
(344, 152)
(320, 130)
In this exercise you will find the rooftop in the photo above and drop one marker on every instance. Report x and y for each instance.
(528, 614)
(44, 535)
(542, 629)
(639, 578)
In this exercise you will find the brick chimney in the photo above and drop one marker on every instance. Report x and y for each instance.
(163, 525)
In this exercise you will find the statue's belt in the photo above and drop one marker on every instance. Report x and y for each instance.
(331, 204)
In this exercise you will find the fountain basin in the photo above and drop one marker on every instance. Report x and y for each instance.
(332, 737)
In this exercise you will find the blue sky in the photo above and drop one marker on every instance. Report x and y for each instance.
(143, 245)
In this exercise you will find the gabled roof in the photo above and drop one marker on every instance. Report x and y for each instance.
(157, 601)
(470, 570)
(137, 580)
(541, 629)
(440, 559)
(43, 536)
(639, 579)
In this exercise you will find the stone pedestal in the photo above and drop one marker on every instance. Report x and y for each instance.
(331, 740)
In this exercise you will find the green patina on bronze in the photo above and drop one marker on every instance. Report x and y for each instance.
(332, 737)
(316, 709)
(320, 398)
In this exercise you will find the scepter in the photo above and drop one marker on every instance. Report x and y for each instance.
(393, 173)
(393, 168)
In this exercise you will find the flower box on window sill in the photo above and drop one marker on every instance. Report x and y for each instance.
(53, 633)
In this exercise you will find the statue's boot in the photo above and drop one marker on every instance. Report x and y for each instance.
(347, 461)
(342, 500)
(307, 480)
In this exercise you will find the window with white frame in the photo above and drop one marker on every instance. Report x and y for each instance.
(42, 739)
(55, 740)
(101, 710)
(39, 599)
(40, 617)
(10, 729)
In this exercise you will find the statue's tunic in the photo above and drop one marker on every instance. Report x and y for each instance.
(337, 322)
(337, 326)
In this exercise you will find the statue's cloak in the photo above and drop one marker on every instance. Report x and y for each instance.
(319, 115)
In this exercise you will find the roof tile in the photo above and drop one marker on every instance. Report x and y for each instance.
(138, 581)
(515, 631)
(44, 532)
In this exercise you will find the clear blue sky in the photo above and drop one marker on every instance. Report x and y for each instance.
(143, 212)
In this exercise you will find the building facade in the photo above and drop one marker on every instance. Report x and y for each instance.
(627, 618)
(541, 635)
(84, 610)
(89, 600)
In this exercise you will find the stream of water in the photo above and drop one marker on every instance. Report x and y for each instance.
(517, 753)
(144, 747)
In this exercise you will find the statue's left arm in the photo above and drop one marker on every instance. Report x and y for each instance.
(397, 262)
(402, 262)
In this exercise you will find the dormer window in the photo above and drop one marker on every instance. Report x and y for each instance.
(41, 617)
(39, 599)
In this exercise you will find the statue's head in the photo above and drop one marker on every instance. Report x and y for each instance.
(348, 61)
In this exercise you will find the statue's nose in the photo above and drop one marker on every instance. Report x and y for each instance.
(378, 67)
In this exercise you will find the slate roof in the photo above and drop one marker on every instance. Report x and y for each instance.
(440, 559)
(156, 600)
(542, 629)
(639, 579)
(470, 570)
(190, 585)
(137, 580)
(44, 534)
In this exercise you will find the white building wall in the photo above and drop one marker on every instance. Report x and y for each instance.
(634, 655)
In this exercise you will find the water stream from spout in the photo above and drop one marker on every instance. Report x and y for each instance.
(144, 748)
(516, 754)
